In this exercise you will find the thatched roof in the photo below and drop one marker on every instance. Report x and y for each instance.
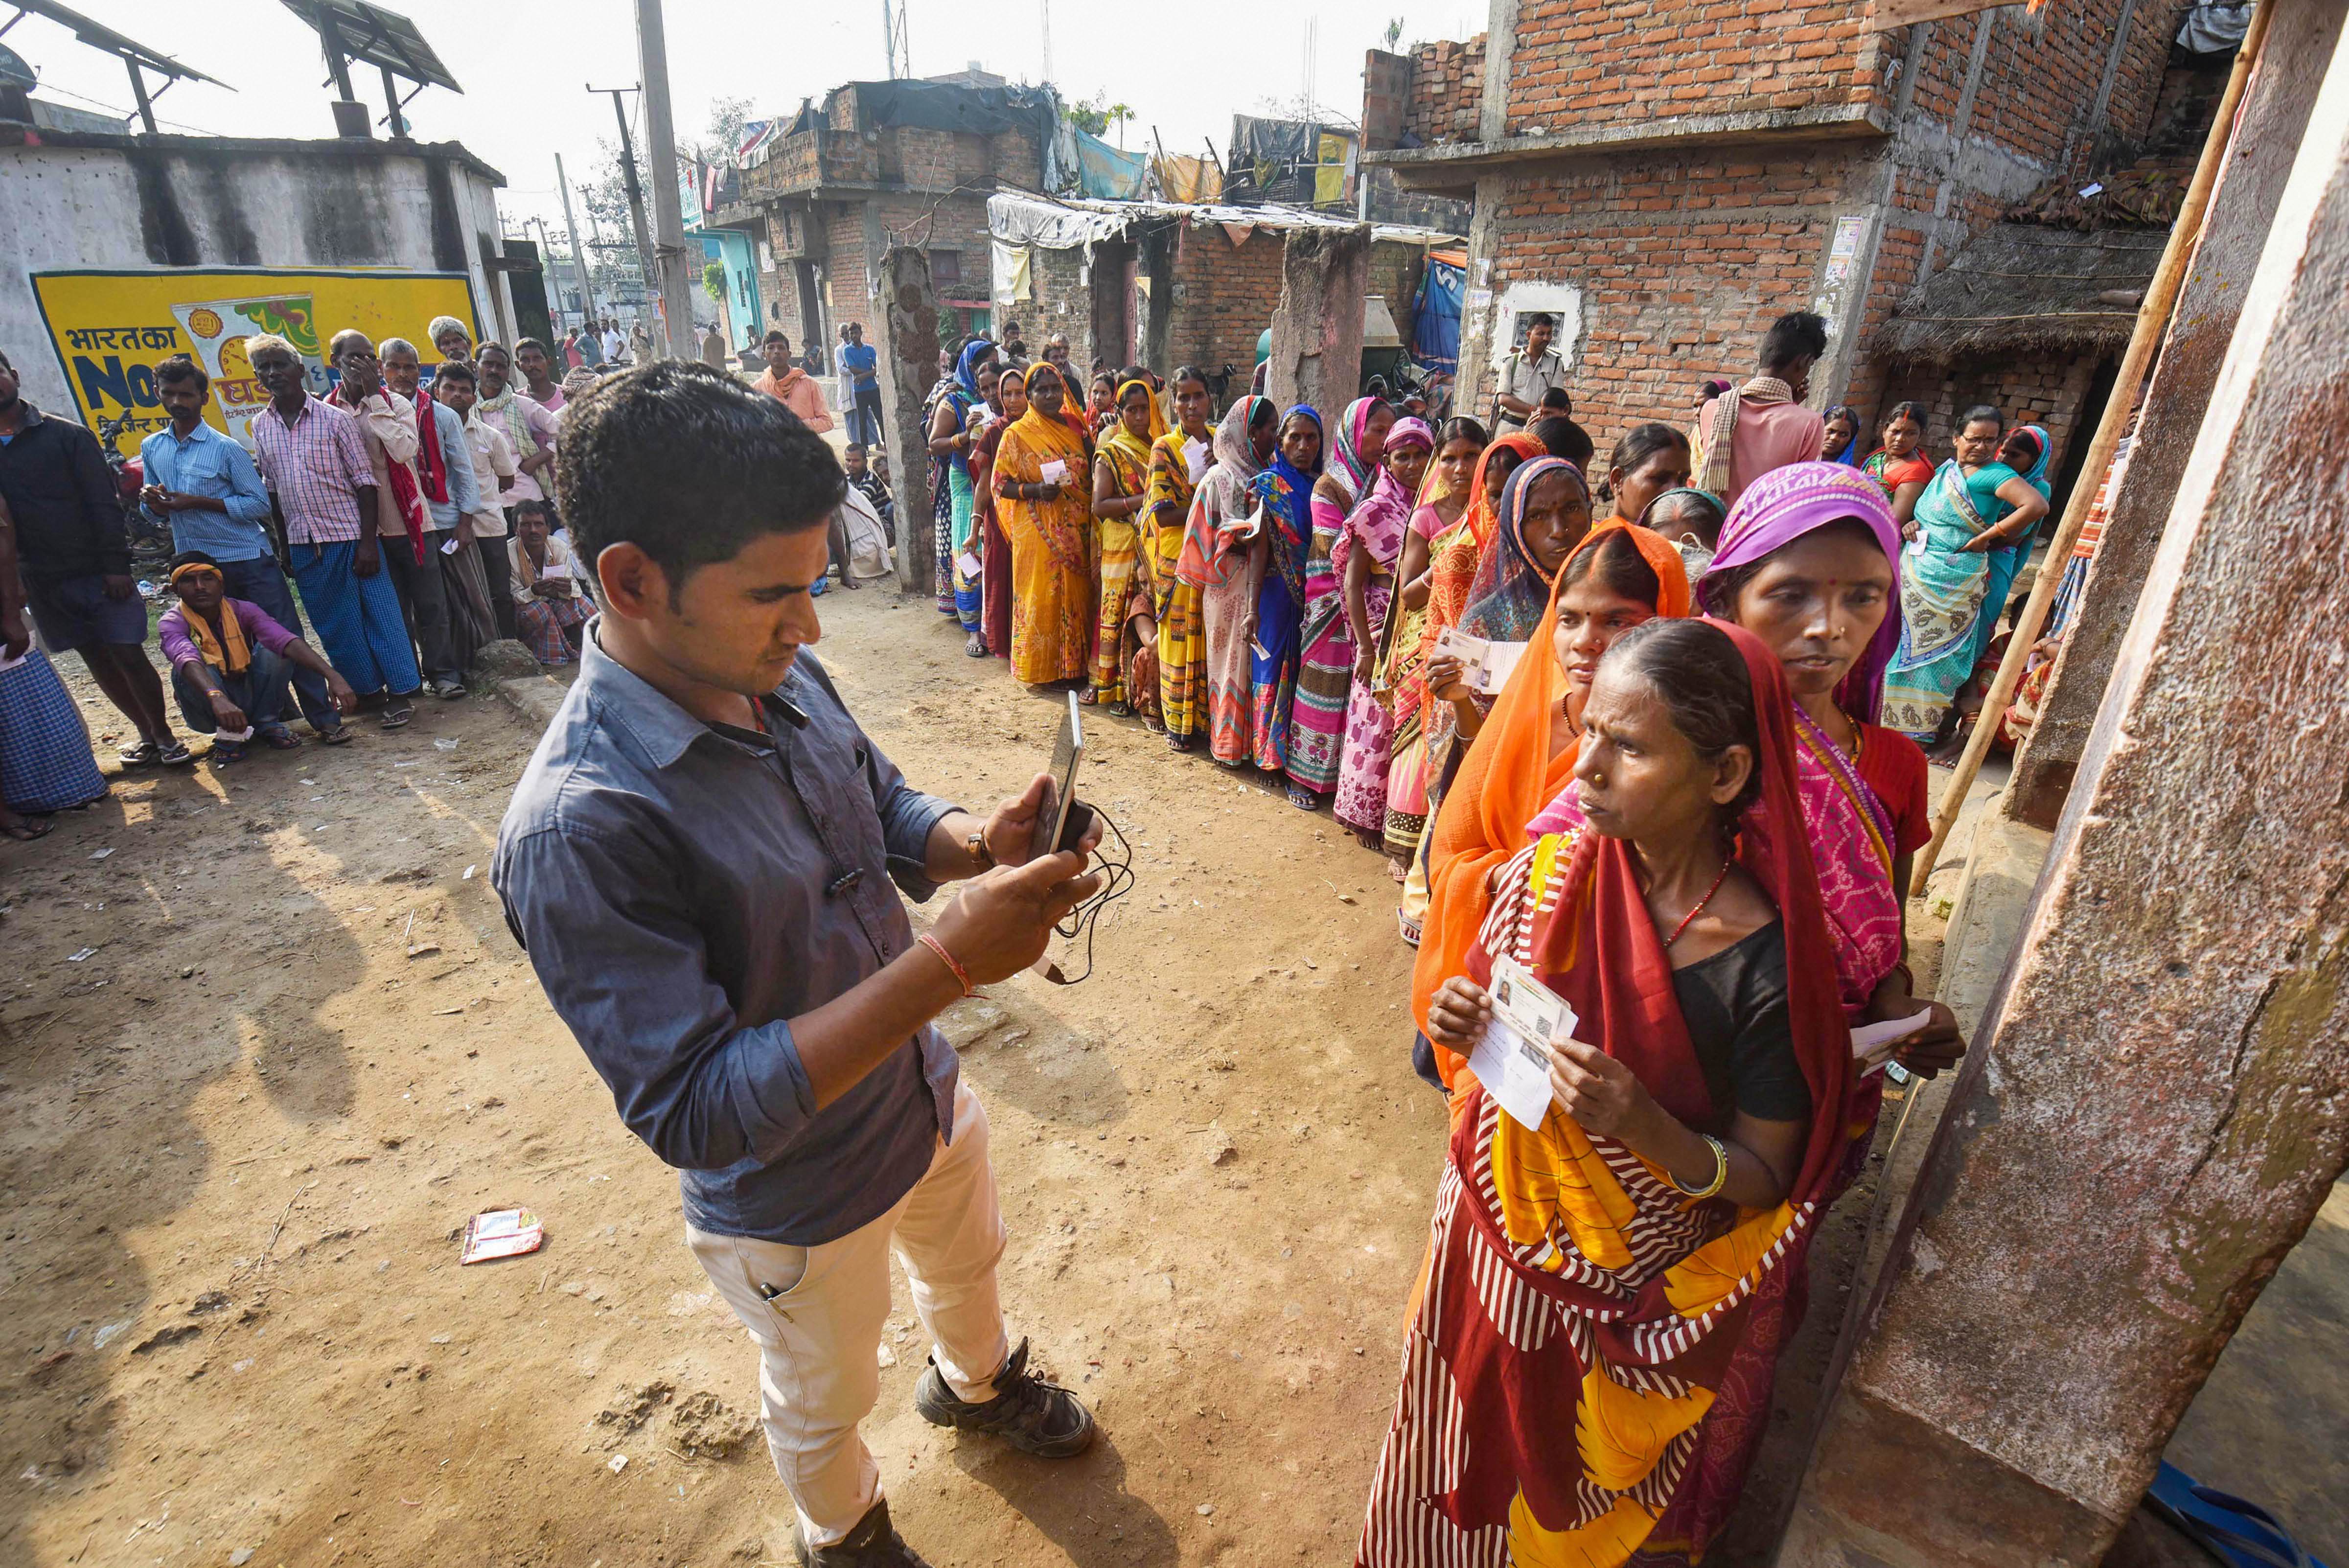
(2026, 287)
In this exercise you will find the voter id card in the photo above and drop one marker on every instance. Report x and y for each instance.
(1511, 1058)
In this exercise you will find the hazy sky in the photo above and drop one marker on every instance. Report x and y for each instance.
(525, 64)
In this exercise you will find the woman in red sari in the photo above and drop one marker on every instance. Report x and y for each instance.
(1588, 1366)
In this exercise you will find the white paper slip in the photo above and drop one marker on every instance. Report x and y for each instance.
(1501, 662)
(1872, 1044)
(1195, 456)
(1511, 1058)
(556, 569)
(969, 565)
(450, 548)
(12, 663)
(1055, 470)
(1484, 666)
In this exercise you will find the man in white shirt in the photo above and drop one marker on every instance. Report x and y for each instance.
(493, 473)
(612, 341)
(1524, 376)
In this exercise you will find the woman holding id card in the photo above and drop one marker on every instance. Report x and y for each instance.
(1043, 494)
(1607, 1292)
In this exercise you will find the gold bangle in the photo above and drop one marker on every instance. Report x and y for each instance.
(1719, 1170)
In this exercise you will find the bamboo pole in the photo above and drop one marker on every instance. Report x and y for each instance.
(2152, 324)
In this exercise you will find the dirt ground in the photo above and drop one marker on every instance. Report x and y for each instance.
(241, 1135)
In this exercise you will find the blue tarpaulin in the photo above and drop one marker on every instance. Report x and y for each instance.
(1435, 334)
(1107, 173)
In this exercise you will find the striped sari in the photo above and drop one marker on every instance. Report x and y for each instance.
(1589, 1365)
(1182, 628)
(1119, 543)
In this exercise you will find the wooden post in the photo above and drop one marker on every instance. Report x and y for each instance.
(907, 348)
(2152, 321)
(2158, 1101)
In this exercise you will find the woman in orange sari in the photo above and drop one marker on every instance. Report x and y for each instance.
(1621, 577)
(1589, 1368)
(1043, 497)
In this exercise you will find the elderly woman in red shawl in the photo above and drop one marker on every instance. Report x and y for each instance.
(1590, 1362)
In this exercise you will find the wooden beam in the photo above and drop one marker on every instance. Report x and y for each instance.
(1891, 13)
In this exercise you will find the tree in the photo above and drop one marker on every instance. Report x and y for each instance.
(713, 279)
(1089, 116)
(728, 121)
(1393, 33)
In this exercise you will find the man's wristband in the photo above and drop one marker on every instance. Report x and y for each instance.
(962, 976)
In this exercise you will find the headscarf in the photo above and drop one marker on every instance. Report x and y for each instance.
(1033, 440)
(1288, 491)
(1212, 558)
(1507, 776)
(1351, 469)
(1380, 517)
(443, 325)
(966, 373)
(1480, 515)
(1599, 947)
(1510, 588)
(2037, 477)
(1129, 454)
(1787, 503)
(1849, 456)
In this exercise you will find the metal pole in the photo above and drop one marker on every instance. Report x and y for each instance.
(635, 189)
(578, 257)
(660, 160)
(139, 91)
(391, 103)
(2152, 325)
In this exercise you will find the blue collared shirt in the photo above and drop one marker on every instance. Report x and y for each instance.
(457, 457)
(206, 462)
(685, 890)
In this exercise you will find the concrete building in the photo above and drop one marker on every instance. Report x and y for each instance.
(1164, 284)
(1668, 177)
(106, 235)
(879, 164)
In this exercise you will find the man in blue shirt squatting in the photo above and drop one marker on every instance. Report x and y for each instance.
(698, 859)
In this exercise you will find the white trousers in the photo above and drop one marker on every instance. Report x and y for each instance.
(816, 1313)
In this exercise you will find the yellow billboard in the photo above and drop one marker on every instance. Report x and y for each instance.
(109, 330)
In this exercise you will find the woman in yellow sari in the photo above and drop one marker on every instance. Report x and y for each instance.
(1178, 460)
(1042, 495)
(1120, 487)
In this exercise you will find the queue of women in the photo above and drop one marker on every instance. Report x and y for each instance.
(1689, 812)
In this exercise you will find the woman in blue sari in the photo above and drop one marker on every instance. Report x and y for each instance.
(1277, 570)
(2024, 449)
(1975, 508)
(950, 442)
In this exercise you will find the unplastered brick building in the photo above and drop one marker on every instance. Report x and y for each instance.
(1668, 176)
(879, 164)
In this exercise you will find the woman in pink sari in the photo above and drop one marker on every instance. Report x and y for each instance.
(1365, 556)
(1325, 675)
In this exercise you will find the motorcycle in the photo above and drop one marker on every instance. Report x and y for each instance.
(148, 536)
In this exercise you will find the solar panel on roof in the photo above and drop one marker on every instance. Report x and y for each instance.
(370, 35)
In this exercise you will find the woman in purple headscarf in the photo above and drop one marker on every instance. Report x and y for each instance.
(1365, 556)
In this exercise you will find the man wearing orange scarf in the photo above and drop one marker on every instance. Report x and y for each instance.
(230, 660)
(793, 387)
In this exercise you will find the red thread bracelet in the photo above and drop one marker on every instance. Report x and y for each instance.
(962, 976)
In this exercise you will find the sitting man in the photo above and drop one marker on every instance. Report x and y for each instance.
(229, 659)
(873, 487)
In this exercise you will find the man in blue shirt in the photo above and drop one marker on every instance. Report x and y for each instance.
(699, 859)
(206, 488)
(862, 366)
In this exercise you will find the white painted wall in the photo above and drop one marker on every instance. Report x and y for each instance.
(272, 205)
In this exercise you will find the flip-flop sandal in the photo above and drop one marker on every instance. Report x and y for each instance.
(226, 752)
(2235, 1532)
(338, 736)
(1304, 800)
(281, 740)
(146, 753)
(396, 714)
(175, 755)
(24, 830)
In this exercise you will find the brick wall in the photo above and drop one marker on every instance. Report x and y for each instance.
(1395, 269)
(1579, 63)
(1224, 298)
(1683, 260)
(1447, 92)
(2041, 388)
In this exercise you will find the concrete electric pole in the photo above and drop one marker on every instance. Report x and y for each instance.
(578, 257)
(660, 162)
(635, 189)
